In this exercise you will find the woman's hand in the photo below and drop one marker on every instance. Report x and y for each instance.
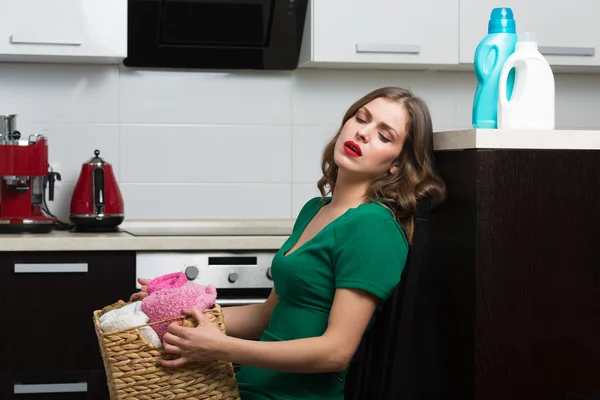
(141, 294)
(143, 291)
(203, 343)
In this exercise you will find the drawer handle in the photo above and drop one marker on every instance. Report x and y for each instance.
(567, 51)
(239, 302)
(34, 39)
(80, 387)
(48, 268)
(388, 48)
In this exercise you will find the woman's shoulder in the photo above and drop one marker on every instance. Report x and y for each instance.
(374, 219)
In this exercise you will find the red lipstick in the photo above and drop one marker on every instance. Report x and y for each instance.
(352, 148)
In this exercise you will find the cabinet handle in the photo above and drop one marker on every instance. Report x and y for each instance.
(239, 302)
(78, 387)
(567, 51)
(48, 268)
(34, 39)
(388, 48)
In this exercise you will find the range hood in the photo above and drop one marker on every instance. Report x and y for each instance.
(215, 34)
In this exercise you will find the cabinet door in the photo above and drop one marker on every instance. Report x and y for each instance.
(52, 296)
(566, 32)
(384, 32)
(63, 30)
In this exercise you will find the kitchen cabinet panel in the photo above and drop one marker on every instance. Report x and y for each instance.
(566, 32)
(51, 297)
(82, 31)
(380, 33)
(512, 271)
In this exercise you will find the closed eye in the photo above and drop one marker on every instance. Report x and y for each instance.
(384, 139)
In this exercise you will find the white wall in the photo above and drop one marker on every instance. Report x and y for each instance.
(223, 145)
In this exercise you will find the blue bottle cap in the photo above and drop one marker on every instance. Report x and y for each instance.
(502, 20)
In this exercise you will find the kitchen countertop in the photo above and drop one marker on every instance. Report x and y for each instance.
(517, 139)
(251, 234)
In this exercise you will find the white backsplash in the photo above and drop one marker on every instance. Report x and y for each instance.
(223, 145)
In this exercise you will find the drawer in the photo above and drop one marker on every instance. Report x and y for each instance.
(51, 297)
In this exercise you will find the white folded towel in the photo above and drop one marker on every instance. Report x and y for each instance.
(127, 317)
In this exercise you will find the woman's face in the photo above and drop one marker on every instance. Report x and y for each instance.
(372, 139)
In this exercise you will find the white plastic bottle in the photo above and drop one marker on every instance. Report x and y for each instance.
(532, 104)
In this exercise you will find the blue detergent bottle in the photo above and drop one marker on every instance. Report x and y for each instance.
(490, 55)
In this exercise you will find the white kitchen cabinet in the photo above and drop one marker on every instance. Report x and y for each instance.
(567, 32)
(79, 31)
(388, 34)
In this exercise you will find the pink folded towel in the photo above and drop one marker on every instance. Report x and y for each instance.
(168, 303)
(168, 281)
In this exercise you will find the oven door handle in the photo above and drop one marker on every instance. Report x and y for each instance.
(240, 301)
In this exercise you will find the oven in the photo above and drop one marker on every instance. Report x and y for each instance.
(240, 277)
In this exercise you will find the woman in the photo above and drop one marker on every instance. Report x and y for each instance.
(342, 261)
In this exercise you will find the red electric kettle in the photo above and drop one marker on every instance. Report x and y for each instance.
(96, 204)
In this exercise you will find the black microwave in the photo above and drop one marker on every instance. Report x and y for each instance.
(215, 34)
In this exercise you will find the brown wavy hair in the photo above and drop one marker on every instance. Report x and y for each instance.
(415, 177)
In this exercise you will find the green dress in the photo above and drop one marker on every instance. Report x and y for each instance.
(364, 248)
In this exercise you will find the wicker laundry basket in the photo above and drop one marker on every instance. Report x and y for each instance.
(132, 371)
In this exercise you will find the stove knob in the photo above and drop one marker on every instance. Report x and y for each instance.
(269, 276)
(191, 273)
(232, 277)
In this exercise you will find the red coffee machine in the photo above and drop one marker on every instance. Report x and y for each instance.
(96, 204)
(24, 172)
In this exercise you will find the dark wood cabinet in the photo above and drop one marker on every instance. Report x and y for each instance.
(48, 333)
(513, 274)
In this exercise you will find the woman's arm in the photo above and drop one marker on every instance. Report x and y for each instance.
(249, 322)
(332, 352)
